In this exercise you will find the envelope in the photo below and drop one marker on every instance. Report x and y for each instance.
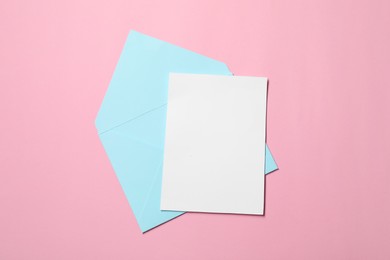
(131, 119)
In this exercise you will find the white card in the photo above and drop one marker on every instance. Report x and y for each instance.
(215, 144)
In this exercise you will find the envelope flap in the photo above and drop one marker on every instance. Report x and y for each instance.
(139, 82)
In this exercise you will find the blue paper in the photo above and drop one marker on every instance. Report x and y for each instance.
(131, 119)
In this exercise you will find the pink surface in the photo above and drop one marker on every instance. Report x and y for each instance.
(328, 127)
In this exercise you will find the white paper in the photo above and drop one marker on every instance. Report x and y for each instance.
(215, 144)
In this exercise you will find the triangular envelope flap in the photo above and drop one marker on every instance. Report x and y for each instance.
(139, 83)
(135, 150)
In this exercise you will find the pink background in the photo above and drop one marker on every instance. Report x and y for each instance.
(328, 127)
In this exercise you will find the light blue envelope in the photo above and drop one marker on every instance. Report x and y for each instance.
(131, 119)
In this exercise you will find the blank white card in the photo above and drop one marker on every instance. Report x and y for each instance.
(215, 144)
